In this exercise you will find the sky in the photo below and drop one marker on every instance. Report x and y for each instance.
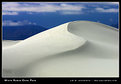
(51, 14)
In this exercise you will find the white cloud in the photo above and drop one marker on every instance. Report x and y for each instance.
(107, 10)
(13, 8)
(11, 23)
(18, 23)
(116, 3)
(108, 3)
(46, 7)
(70, 12)
(70, 7)
(9, 13)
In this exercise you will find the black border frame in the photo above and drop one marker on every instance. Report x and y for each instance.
(60, 79)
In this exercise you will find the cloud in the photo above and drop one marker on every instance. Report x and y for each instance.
(107, 10)
(108, 3)
(115, 3)
(9, 13)
(13, 8)
(18, 23)
(70, 12)
(45, 7)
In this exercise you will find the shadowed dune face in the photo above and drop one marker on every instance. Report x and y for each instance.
(94, 31)
(78, 48)
(94, 50)
(102, 39)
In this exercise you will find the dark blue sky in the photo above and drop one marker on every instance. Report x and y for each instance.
(51, 14)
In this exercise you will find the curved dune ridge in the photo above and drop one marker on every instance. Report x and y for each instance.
(73, 49)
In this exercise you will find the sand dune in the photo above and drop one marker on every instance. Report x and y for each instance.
(73, 49)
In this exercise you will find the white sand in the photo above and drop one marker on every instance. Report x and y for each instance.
(74, 49)
(6, 43)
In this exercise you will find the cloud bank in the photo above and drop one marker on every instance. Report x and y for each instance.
(13, 8)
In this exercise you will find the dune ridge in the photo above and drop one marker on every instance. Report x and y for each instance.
(70, 44)
(50, 42)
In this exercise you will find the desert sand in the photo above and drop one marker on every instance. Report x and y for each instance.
(73, 49)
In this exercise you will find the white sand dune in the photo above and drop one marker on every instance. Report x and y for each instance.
(73, 49)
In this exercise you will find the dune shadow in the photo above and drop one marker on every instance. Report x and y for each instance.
(90, 50)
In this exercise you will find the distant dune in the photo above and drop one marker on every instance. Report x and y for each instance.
(73, 49)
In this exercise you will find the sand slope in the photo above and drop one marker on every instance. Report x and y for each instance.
(79, 48)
